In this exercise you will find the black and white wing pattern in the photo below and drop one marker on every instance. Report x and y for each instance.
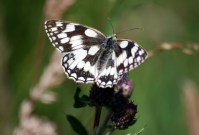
(129, 55)
(81, 45)
(92, 57)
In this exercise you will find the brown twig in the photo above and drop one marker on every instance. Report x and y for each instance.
(55, 9)
(31, 124)
(191, 102)
(52, 76)
(187, 48)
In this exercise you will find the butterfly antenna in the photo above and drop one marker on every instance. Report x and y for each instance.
(109, 20)
(129, 30)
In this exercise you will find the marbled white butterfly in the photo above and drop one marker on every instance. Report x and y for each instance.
(92, 57)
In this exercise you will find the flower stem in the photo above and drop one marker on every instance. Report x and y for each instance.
(98, 110)
(103, 126)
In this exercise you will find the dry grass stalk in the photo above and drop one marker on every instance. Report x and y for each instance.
(52, 76)
(33, 125)
(186, 48)
(55, 8)
(190, 98)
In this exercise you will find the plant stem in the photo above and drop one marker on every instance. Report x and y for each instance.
(98, 110)
(103, 126)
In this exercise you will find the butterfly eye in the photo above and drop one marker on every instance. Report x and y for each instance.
(110, 41)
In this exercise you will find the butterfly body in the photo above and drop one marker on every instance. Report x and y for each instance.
(92, 57)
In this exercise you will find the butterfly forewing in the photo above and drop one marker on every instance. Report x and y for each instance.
(129, 55)
(67, 36)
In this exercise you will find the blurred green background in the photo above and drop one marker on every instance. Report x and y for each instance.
(158, 82)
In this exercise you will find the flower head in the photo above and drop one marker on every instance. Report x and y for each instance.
(125, 86)
(124, 118)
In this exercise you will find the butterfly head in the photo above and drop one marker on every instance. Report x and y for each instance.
(111, 40)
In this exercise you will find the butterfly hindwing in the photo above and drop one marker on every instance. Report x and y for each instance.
(80, 65)
(108, 77)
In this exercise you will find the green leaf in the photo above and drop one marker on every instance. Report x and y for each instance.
(80, 101)
(76, 125)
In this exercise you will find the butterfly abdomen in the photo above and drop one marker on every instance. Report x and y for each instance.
(103, 58)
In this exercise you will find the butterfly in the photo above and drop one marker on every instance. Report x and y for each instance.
(90, 56)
